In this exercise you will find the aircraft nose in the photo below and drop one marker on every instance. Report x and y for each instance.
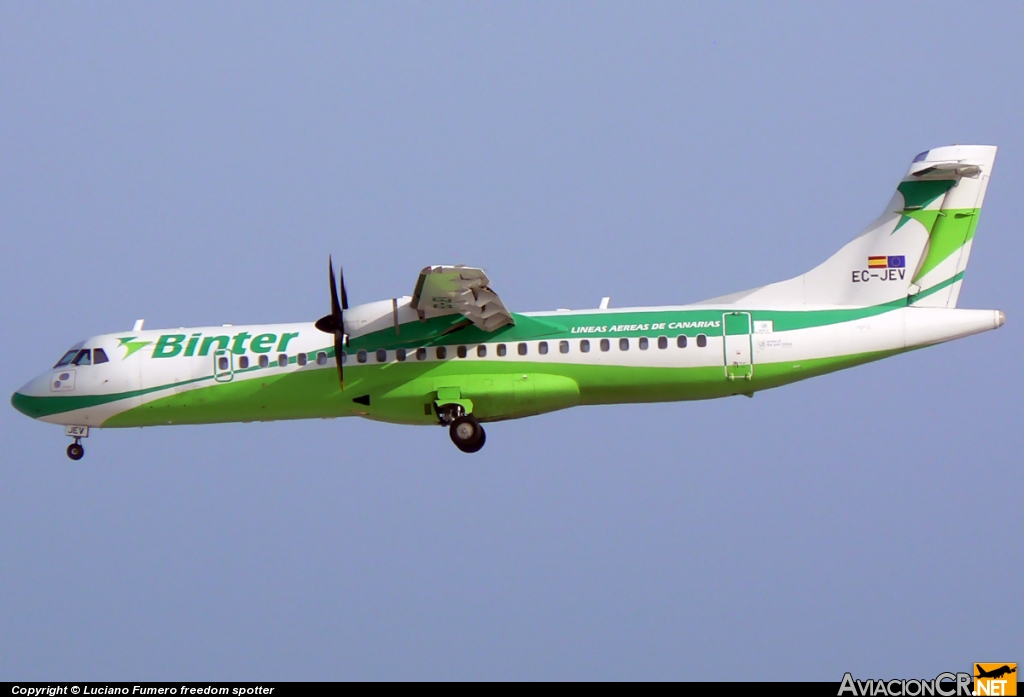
(27, 398)
(22, 403)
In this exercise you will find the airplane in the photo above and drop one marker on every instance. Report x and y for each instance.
(994, 673)
(452, 354)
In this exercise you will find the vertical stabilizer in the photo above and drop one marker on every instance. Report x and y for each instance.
(939, 275)
(915, 252)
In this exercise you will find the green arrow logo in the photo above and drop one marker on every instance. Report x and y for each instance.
(132, 345)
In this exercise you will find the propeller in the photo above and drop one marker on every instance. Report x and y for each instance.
(334, 323)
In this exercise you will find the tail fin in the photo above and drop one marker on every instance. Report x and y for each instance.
(940, 272)
(916, 251)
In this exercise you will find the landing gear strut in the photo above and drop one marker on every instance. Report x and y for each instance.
(465, 431)
(75, 450)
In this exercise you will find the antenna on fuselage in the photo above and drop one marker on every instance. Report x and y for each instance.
(137, 327)
(604, 302)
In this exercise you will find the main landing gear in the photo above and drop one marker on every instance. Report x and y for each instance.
(467, 434)
(465, 431)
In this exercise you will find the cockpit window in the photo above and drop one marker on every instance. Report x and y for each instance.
(83, 358)
(66, 358)
(99, 356)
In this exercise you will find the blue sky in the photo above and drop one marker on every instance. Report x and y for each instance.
(196, 163)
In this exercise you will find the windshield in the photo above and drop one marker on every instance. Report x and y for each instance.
(67, 358)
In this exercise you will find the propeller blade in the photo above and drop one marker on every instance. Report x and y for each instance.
(334, 323)
(344, 294)
(336, 308)
(340, 338)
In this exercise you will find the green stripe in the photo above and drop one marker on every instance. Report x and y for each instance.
(316, 393)
(399, 391)
(783, 320)
(38, 407)
(47, 406)
(935, 289)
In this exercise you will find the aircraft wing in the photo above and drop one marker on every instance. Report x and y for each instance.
(450, 290)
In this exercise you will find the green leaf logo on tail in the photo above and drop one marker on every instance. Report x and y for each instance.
(918, 195)
(132, 345)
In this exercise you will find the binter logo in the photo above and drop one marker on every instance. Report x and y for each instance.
(173, 345)
(995, 679)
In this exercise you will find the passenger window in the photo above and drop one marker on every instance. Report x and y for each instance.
(399, 355)
(382, 356)
(542, 348)
(442, 353)
(663, 342)
(460, 352)
(321, 358)
(606, 345)
(83, 358)
(681, 341)
(584, 345)
(66, 359)
(264, 361)
(702, 340)
(644, 343)
(222, 363)
(301, 359)
(421, 354)
(282, 360)
(522, 349)
(502, 350)
(243, 362)
(361, 356)
(99, 356)
(481, 351)
(563, 347)
(623, 344)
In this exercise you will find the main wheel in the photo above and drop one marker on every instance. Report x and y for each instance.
(467, 434)
(76, 451)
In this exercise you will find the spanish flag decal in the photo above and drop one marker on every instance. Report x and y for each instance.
(893, 262)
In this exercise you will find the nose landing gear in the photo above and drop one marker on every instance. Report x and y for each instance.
(76, 451)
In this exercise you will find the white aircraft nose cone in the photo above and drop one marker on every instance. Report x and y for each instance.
(26, 399)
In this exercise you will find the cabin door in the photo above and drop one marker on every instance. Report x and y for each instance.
(737, 345)
(223, 365)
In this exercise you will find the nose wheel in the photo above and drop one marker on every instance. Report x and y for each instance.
(76, 451)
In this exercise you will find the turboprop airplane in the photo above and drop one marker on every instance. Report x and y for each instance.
(453, 355)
